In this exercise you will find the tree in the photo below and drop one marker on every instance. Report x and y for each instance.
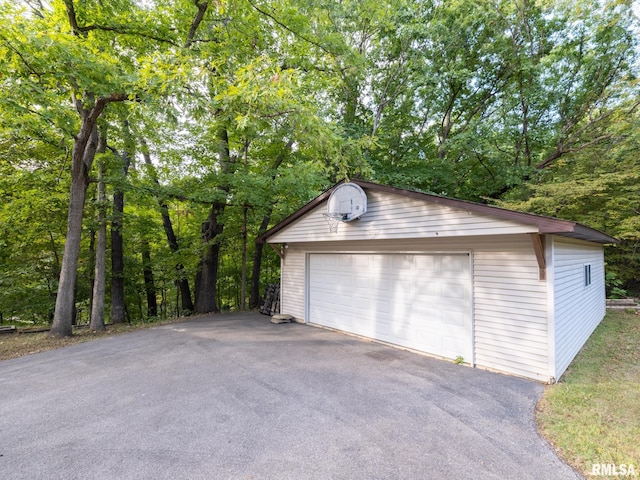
(85, 51)
(181, 278)
(598, 186)
(249, 109)
(117, 240)
(31, 242)
(97, 305)
(45, 68)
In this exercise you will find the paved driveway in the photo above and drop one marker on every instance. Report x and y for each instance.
(235, 397)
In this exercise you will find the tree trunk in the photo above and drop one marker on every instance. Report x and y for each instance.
(206, 299)
(117, 260)
(257, 264)
(117, 247)
(181, 280)
(84, 150)
(62, 317)
(257, 255)
(149, 283)
(92, 265)
(243, 286)
(208, 274)
(97, 308)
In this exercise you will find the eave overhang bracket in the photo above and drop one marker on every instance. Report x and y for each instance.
(279, 251)
(538, 248)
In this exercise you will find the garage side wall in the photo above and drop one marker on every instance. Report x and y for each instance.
(292, 283)
(509, 299)
(510, 309)
(579, 297)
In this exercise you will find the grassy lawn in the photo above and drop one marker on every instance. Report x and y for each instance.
(593, 415)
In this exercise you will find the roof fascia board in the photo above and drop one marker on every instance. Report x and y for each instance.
(546, 225)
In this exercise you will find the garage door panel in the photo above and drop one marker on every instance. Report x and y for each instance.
(453, 291)
(426, 292)
(419, 301)
(401, 261)
(451, 263)
(404, 287)
(453, 318)
(382, 307)
(425, 263)
(451, 346)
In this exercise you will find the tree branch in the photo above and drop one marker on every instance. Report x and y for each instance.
(24, 60)
(124, 31)
(561, 150)
(202, 9)
(71, 15)
(289, 29)
(37, 8)
(78, 30)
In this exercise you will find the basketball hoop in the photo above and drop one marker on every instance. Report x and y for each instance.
(347, 202)
(333, 220)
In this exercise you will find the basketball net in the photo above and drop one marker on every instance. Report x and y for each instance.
(333, 221)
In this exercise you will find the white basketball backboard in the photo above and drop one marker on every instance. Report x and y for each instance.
(347, 202)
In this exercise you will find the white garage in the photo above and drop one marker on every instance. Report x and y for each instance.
(497, 289)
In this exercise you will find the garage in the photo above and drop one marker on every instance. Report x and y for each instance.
(486, 286)
(418, 301)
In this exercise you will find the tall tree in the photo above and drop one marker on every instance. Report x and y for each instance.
(93, 53)
(211, 230)
(117, 239)
(181, 279)
(97, 305)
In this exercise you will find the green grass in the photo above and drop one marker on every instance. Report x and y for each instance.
(592, 416)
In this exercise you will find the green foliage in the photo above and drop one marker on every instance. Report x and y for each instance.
(614, 286)
(599, 187)
(533, 99)
(32, 214)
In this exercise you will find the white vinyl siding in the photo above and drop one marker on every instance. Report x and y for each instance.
(392, 216)
(578, 308)
(510, 308)
(292, 283)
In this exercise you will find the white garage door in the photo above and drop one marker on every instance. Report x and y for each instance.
(417, 301)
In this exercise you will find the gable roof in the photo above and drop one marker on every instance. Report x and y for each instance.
(545, 225)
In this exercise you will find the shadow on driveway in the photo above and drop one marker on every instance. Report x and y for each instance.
(236, 397)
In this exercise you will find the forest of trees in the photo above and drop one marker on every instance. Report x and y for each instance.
(145, 144)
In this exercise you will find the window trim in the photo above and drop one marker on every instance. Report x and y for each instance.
(587, 275)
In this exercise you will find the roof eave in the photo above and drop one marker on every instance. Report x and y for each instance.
(295, 216)
(582, 232)
(545, 225)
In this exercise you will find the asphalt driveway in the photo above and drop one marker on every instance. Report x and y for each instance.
(236, 397)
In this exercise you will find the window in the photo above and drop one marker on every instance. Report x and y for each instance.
(587, 274)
